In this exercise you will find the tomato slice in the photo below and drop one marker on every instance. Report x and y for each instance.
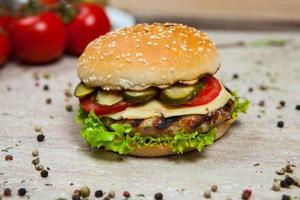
(210, 91)
(88, 104)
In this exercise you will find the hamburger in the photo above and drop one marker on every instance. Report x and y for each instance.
(149, 90)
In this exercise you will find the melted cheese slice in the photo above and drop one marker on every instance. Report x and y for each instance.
(155, 108)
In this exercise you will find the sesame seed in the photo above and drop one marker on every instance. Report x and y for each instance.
(164, 58)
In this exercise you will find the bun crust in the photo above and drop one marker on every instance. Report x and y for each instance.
(147, 55)
(165, 150)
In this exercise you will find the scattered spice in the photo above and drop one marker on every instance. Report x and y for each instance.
(289, 180)
(214, 188)
(68, 93)
(37, 129)
(261, 103)
(36, 161)
(111, 194)
(256, 164)
(7, 192)
(46, 75)
(98, 193)
(282, 103)
(40, 137)
(158, 196)
(85, 191)
(207, 194)
(276, 186)
(69, 108)
(48, 101)
(235, 76)
(9, 157)
(126, 194)
(44, 173)
(74, 197)
(35, 153)
(297, 107)
(22, 191)
(46, 87)
(283, 184)
(285, 197)
(280, 124)
(76, 193)
(263, 88)
(250, 89)
(106, 198)
(39, 167)
(246, 194)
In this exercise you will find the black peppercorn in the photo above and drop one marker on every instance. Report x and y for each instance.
(22, 191)
(283, 184)
(76, 197)
(280, 124)
(40, 137)
(44, 173)
(98, 193)
(289, 181)
(285, 197)
(297, 107)
(7, 192)
(250, 89)
(46, 87)
(235, 76)
(158, 196)
(282, 103)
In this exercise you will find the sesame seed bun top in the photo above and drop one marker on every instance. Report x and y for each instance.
(147, 55)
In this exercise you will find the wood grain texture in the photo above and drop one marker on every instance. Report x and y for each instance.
(228, 163)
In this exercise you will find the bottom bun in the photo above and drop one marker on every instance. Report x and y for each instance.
(165, 150)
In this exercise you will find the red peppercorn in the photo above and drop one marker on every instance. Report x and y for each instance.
(246, 194)
(7, 192)
(9, 157)
(126, 194)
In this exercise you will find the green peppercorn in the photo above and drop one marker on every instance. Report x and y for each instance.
(85, 191)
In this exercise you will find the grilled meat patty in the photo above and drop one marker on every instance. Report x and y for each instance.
(156, 126)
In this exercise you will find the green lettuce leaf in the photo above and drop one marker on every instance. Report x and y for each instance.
(240, 105)
(118, 140)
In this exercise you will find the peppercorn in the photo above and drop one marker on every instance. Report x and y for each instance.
(126, 194)
(111, 194)
(7, 192)
(76, 193)
(207, 194)
(289, 180)
(85, 191)
(35, 153)
(282, 103)
(246, 194)
(37, 129)
(44, 173)
(106, 198)
(276, 186)
(297, 107)
(285, 197)
(40, 137)
(235, 76)
(98, 193)
(158, 196)
(39, 167)
(283, 184)
(250, 89)
(69, 108)
(48, 101)
(75, 197)
(280, 124)
(22, 191)
(214, 188)
(46, 87)
(261, 103)
(9, 157)
(36, 161)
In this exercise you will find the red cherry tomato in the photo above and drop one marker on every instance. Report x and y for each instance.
(88, 104)
(90, 22)
(210, 91)
(39, 38)
(4, 47)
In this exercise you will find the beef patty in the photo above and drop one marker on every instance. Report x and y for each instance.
(156, 126)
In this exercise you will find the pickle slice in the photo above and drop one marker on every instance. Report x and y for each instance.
(180, 94)
(82, 90)
(106, 98)
(139, 96)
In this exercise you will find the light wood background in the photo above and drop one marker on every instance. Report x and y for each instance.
(247, 14)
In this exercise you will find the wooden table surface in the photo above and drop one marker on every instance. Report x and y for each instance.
(229, 163)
